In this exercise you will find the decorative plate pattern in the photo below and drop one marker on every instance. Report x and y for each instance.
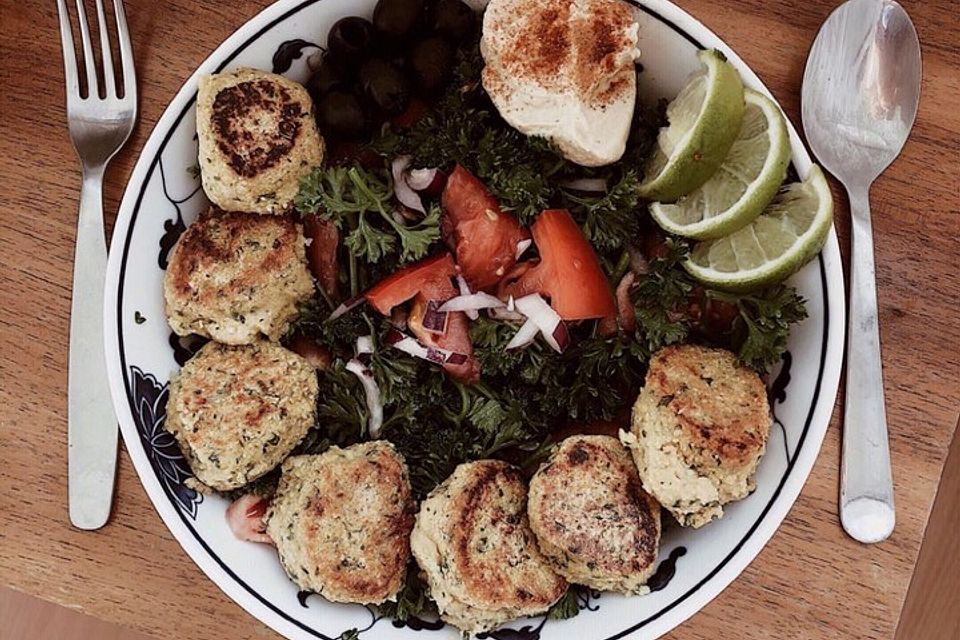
(164, 195)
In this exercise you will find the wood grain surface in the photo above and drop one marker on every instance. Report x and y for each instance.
(810, 582)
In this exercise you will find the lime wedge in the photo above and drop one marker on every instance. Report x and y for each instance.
(787, 235)
(744, 184)
(704, 121)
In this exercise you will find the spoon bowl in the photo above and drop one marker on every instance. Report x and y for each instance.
(861, 89)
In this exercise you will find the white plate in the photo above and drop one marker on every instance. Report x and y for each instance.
(162, 197)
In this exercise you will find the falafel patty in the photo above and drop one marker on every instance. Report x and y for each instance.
(474, 545)
(257, 139)
(235, 276)
(341, 521)
(238, 411)
(700, 427)
(592, 519)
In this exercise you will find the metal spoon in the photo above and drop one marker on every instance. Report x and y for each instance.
(860, 93)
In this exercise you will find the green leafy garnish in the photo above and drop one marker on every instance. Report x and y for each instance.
(411, 601)
(527, 398)
(762, 325)
(610, 220)
(358, 201)
(567, 606)
(660, 299)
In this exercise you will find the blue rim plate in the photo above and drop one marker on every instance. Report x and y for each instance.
(163, 196)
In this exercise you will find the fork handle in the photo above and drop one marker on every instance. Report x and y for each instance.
(866, 486)
(91, 424)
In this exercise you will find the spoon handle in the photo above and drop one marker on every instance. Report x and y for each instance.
(866, 485)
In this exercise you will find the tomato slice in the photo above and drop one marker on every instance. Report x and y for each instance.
(626, 315)
(430, 276)
(456, 337)
(483, 236)
(315, 354)
(322, 252)
(429, 279)
(414, 113)
(569, 271)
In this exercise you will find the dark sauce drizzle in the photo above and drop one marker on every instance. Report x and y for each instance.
(302, 597)
(665, 571)
(419, 624)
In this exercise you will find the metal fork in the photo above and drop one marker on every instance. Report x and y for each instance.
(99, 126)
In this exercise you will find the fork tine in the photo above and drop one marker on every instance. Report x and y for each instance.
(88, 60)
(69, 53)
(126, 52)
(109, 82)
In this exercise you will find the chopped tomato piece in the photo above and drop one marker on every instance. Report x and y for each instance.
(316, 355)
(484, 238)
(568, 272)
(415, 111)
(245, 518)
(455, 338)
(429, 279)
(322, 252)
(429, 276)
(626, 315)
(714, 319)
(655, 246)
(347, 153)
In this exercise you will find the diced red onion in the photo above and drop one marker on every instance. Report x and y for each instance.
(434, 318)
(317, 356)
(592, 185)
(465, 291)
(625, 310)
(638, 262)
(245, 518)
(420, 179)
(347, 305)
(435, 188)
(524, 336)
(398, 318)
(522, 247)
(365, 349)
(536, 308)
(398, 217)
(503, 313)
(417, 349)
(406, 195)
(473, 302)
(562, 336)
(364, 345)
(372, 392)
(307, 242)
(456, 358)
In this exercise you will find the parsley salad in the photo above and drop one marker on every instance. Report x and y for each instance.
(479, 296)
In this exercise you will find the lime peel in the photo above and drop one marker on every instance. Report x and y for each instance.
(805, 207)
(763, 123)
(695, 144)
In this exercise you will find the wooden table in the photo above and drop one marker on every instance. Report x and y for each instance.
(811, 581)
